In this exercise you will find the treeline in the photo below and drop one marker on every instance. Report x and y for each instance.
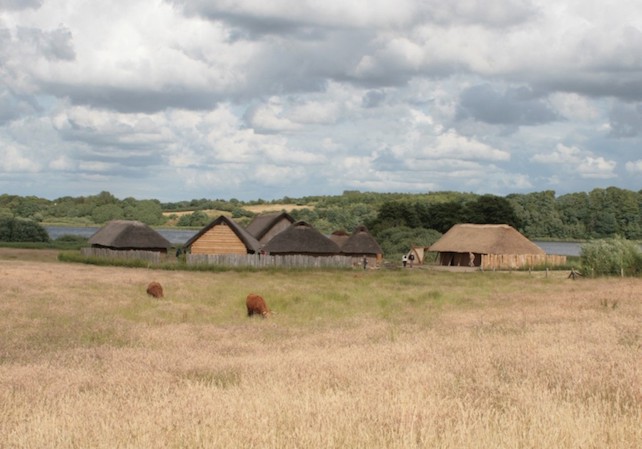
(600, 213)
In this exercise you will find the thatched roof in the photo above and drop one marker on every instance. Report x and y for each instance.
(248, 240)
(361, 242)
(301, 238)
(485, 239)
(339, 237)
(124, 234)
(262, 223)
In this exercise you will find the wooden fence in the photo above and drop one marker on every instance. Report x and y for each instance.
(264, 261)
(148, 256)
(515, 261)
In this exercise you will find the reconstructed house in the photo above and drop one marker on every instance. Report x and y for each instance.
(125, 235)
(339, 237)
(361, 243)
(490, 246)
(301, 238)
(265, 226)
(222, 236)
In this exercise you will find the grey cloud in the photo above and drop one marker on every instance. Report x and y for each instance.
(626, 120)
(56, 44)
(16, 5)
(15, 106)
(373, 98)
(134, 99)
(516, 106)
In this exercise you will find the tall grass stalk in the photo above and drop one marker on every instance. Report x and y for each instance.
(394, 359)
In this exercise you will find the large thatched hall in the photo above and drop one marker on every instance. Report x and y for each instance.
(490, 246)
(128, 235)
(301, 238)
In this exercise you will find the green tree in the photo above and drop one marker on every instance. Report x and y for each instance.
(107, 212)
(22, 230)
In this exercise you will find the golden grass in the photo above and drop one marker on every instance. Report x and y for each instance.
(386, 359)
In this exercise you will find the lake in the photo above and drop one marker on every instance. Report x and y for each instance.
(180, 236)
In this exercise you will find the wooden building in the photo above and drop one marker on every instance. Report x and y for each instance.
(301, 238)
(222, 236)
(362, 244)
(490, 246)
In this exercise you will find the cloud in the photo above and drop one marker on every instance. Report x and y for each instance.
(178, 98)
(634, 167)
(574, 160)
(516, 106)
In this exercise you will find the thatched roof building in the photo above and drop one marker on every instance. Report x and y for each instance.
(222, 236)
(339, 237)
(301, 238)
(361, 243)
(124, 235)
(264, 227)
(487, 246)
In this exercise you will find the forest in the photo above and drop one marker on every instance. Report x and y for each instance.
(600, 213)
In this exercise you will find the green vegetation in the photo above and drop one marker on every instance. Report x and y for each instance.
(21, 230)
(397, 220)
(611, 257)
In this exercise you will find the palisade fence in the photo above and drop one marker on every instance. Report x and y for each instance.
(148, 256)
(264, 261)
(514, 261)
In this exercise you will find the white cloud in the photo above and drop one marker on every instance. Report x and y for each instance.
(634, 166)
(452, 145)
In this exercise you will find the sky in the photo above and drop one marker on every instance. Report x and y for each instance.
(262, 99)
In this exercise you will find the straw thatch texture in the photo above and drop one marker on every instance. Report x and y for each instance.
(264, 227)
(222, 236)
(128, 235)
(361, 242)
(485, 239)
(339, 237)
(301, 238)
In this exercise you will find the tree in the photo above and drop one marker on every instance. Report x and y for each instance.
(22, 230)
(491, 209)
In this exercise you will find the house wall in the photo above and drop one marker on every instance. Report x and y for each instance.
(280, 226)
(220, 239)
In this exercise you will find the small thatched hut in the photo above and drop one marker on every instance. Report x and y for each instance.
(489, 246)
(125, 235)
(361, 243)
(222, 236)
(301, 238)
(265, 226)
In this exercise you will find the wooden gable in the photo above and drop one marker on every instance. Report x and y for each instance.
(219, 239)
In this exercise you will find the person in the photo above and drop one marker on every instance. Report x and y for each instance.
(404, 260)
(411, 258)
(365, 262)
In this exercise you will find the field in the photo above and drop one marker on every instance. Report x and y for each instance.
(377, 359)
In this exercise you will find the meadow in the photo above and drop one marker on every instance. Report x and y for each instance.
(349, 359)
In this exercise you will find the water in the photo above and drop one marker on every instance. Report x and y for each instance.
(176, 236)
(561, 248)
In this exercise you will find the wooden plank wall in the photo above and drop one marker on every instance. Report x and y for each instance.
(263, 261)
(219, 240)
(515, 261)
(149, 256)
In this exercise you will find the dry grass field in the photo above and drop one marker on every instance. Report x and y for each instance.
(378, 359)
